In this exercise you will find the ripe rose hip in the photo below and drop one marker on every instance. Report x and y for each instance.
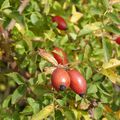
(117, 40)
(61, 24)
(60, 56)
(77, 82)
(60, 79)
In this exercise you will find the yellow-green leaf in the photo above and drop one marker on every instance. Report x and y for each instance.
(112, 63)
(44, 113)
(75, 15)
(115, 78)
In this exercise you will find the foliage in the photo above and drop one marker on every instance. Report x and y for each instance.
(25, 86)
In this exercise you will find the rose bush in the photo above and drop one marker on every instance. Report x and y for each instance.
(27, 31)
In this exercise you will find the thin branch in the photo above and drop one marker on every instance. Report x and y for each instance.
(20, 10)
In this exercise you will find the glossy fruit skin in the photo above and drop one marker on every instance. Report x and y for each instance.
(61, 23)
(117, 40)
(60, 79)
(60, 56)
(77, 82)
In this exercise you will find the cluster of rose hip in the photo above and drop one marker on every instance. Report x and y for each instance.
(63, 77)
(61, 25)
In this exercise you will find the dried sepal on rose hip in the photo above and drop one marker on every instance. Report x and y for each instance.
(77, 82)
(61, 23)
(60, 56)
(47, 56)
(60, 79)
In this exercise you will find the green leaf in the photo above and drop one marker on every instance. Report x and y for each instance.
(6, 102)
(112, 75)
(105, 3)
(111, 64)
(92, 89)
(87, 52)
(33, 18)
(114, 17)
(46, 7)
(50, 35)
(21, 47)
(97, 77)
(16, 15)
(18, 93)
(88, 72)
(61, 102)
(33, 104)
(6, 4)
(58, 115)
(86, 115)
(27, 110)
(117, 5)
(77, 98)
(98, 113)
(40, 90)
(32, 67)
(112, 28)
(107, 49)
(69, 114)
(42, 64)
(103, 91)
(44, 113)
(64, 40)
(41, 78)
(90, 28)
(16, 77)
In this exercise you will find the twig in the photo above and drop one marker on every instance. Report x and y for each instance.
(20, 10)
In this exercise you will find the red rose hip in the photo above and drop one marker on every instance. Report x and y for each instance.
(77, 82)
(60, 56)
(117, 40)
(60, 79)
(61, 24)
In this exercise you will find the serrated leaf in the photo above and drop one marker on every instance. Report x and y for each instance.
(111, 74)
(114, 18)
(18, 93)
(20, 28)
(105, 3)
(16, 77)
(50, 35)
(75, 15)
(58, 115)
(6, 101)
(87, 52)
(112, 28)
(69, 114)
(33, 18)
(6, 4)
(47, 7)
(27, 110)
(40, 90)
(102, 90)
(111, 64)
(88, 73)
(98, 113)
(41, 78)
(92, 89)
(44, 113)
(64, 40)
(86, 115)
(107, 49)
(16, 15)
(33, 104)
(90, 28)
